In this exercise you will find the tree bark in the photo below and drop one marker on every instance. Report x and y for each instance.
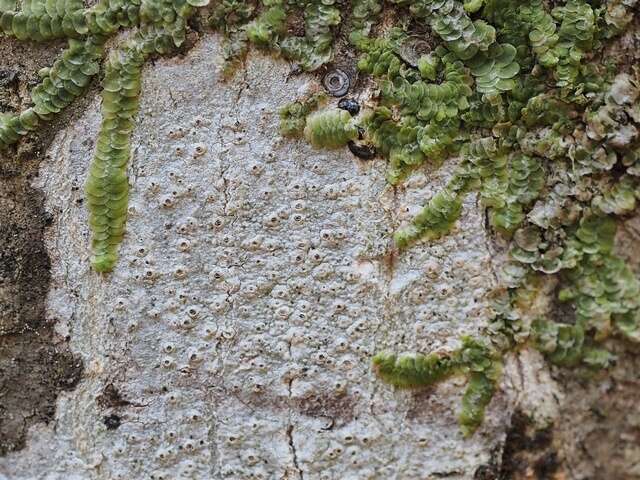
(234, 337)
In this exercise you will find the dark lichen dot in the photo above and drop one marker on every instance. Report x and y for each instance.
(112, 421)
(336, 83)
(350, 105)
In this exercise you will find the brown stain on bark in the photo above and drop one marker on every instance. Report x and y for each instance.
(528, 453)
(599, 434)
(35, 364)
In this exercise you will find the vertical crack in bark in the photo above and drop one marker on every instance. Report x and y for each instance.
(294, 454)
(292, 446)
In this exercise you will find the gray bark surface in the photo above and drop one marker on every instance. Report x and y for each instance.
(233, 340)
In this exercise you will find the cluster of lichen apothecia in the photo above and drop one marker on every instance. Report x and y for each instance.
(543, 124)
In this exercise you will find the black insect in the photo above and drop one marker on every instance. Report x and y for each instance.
(363, 151)
(350, 105)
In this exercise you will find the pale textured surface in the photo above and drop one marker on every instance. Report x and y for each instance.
(253, 288)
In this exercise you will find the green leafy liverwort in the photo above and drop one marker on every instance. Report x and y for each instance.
(544, 128)
(472, 358)
(546, 134)
(160, 27)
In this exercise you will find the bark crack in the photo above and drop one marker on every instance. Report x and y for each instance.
(292, 446)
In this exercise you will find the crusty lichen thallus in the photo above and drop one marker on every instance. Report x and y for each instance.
(508, 90)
